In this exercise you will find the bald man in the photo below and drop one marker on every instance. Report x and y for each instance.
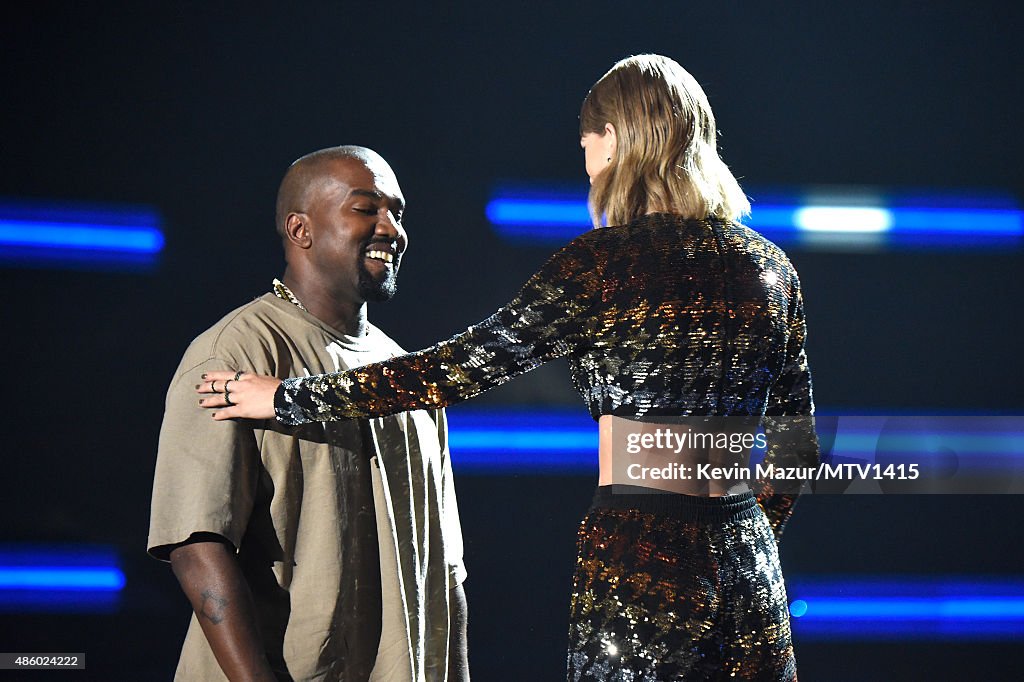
(324, 552)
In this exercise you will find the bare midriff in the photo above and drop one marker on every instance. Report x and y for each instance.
(693, 486)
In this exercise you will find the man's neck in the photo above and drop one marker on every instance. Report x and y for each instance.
(347, 316)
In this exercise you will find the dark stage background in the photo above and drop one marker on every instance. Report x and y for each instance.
(197, 111)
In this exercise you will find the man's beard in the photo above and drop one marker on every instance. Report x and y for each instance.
(375, 290)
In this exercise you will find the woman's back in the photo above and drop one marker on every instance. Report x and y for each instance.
(690, 317)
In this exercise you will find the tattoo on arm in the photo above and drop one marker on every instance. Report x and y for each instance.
(213, 607)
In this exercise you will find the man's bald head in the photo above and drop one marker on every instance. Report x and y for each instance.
(308, 173)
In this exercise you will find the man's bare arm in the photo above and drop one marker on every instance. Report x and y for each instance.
(458, 653)
(214, 584)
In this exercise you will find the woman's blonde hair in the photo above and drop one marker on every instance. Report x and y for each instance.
(666, 157)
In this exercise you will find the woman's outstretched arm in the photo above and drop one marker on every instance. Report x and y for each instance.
(549, 318)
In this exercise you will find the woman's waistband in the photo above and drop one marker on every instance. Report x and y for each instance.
(676, 505)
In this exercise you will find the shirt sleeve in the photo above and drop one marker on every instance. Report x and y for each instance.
(546, 320)
(206, 471)
(789, 420)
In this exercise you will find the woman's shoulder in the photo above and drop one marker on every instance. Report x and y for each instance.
(623, 231)
(665, 226)
(751, 239)
(731, 234)
(745, 240)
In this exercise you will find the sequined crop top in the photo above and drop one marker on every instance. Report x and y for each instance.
(663, 316)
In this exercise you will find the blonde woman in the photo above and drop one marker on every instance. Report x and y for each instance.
(672, 308)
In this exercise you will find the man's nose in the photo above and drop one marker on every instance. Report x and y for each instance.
(386, 224)
(391, 227)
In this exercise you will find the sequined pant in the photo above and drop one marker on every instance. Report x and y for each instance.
(678, 587)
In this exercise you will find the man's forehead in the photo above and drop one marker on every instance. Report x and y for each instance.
(369, 176)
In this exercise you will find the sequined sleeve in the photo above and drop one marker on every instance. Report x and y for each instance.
(546, 320)
(789, 418)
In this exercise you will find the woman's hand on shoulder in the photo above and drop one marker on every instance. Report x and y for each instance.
(238, 395)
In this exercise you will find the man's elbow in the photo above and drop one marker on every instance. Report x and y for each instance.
(201, 553)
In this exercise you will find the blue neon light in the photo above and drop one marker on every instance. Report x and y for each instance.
(570, 212)
(59, 578)
(558, 217)
(978, 222)
(929, 607)
(521, 441)
(501, 440)
(72, 236)
(920, 608)
(56, 234)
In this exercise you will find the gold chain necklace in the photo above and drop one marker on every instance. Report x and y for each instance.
(284, 293)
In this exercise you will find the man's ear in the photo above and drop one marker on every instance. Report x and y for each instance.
(296, 230)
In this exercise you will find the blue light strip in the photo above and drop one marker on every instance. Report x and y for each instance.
(63, 233)
(501, 440)
(100, 578)
(517, 212)
(1006, 608)
(59, 578)
(522, 441)
(929, 607)
(840, 215)
(80, 236)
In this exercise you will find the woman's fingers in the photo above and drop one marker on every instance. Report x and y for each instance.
(219, 400)
(213, 382)
(229, 413)
(220, 375)
(238, 395)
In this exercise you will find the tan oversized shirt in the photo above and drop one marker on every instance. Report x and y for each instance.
(348, 532)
